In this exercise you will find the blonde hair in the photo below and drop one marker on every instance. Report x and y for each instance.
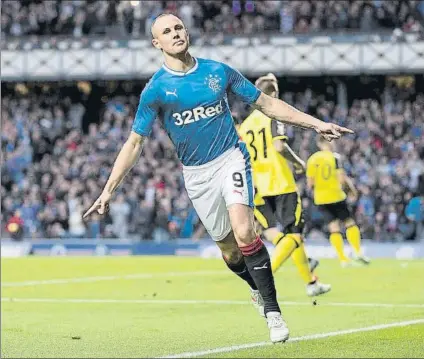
(267, 84)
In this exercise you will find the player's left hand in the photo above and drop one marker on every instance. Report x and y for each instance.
(299, 168)
(331, 131)
(101, 205)
(353, 197)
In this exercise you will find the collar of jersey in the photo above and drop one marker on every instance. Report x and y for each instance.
(181, 73)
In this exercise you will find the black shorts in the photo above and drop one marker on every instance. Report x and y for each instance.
(333, 211)
(285, 209)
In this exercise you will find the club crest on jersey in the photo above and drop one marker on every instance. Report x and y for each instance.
(214, 83)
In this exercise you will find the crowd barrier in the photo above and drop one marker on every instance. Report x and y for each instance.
(184, 247)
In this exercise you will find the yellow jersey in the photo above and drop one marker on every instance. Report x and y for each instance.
(272, 174)
(323, 167)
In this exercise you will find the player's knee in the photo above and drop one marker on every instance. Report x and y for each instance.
(245, 234)
(334, 227)
(349, 222)
(232, 256)
(270, 233)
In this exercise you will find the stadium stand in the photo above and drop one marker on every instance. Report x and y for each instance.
(80, 18)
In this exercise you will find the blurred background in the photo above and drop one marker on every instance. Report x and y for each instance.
(72, 73)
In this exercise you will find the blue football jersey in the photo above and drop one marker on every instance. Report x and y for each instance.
(193, 108)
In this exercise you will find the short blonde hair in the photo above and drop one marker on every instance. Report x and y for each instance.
(267, 84)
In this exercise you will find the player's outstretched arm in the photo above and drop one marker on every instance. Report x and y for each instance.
(291, 156)
(346, 180)
(283, 112)
(127, 157)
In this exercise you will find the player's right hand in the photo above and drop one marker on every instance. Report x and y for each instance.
(331, 131)
(101, 205)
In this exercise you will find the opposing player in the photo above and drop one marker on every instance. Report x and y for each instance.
(189, 96)
(276, 198)
(327, 178)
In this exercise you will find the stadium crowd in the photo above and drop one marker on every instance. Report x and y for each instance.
(52, 170)
(80, 17)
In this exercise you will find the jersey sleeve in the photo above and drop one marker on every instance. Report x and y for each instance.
(278, 131)
(147, 111)
(241, 86)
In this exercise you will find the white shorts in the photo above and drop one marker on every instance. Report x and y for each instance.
(214, 186)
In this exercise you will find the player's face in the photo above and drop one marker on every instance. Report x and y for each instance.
(170, 35)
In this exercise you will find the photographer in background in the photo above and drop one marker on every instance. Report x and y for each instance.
(414, 210)
(15, 225)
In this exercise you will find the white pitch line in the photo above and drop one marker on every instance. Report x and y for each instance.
(111, 277)
(122, 301)
(348, 304)
(199, 301)
(296, 339)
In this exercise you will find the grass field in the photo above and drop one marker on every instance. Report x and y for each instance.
(121, 307)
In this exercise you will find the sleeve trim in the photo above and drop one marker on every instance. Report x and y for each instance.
(280, 137)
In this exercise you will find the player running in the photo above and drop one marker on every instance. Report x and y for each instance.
(188, 95)
(276, 198)
(326, 178)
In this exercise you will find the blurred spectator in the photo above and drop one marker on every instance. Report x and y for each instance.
(120, 211)
(183, 222)
(15, 226)
(414, 210)
(411, 25)
(76, 226)
(80, 18)
(142, 219)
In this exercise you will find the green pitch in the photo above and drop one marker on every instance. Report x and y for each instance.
(122, 307)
